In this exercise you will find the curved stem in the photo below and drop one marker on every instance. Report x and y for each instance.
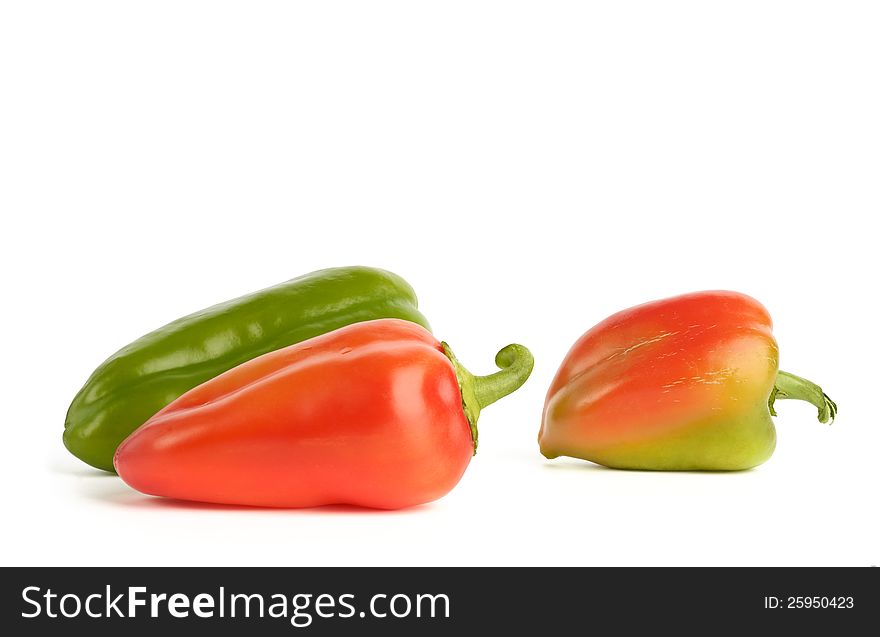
(791, 387)
(516, 363)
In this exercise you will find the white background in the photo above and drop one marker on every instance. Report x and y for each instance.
(530, 167)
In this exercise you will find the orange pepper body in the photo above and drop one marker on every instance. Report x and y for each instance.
(681, 383)
(368, 415)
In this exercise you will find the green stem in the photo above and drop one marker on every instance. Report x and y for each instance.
(516, 363)
(791, 387)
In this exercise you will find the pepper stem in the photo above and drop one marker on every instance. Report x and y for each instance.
(788, 386)
(516, 363)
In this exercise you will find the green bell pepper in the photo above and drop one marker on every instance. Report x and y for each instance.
(146, 375)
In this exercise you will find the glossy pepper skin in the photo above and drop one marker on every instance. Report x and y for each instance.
(144, 376)
(377, 414)
(685, 383)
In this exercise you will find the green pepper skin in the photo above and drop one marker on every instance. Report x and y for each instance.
(146, 375)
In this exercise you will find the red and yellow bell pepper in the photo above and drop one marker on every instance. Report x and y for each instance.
(686, 383)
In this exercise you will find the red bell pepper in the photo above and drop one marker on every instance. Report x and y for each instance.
(683, 383)
(377, 414)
